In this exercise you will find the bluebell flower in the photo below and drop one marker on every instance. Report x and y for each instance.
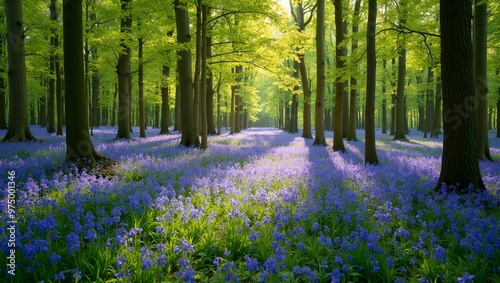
(59, 276)
(162, 260)
(252, 264)
(335, 276)
(54, 258)
(120, 260)
(216, 261)
(439, 253)
(315, 226)
(182, 262)
(301, 246)
(466, 278)
(270, 265)
(73, 243)
(390, 262)
(77, 275)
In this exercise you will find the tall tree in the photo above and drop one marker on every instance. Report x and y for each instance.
(189, 136)
(460, 165)
(400, 96)
(79, 147)
(481, 77)
(436, 122)
(319, 120)
(123, 71)
(165, 106)
(51, 128)
(203, 79)
(18, 129)
(340, 53)
(371, 74)
(302, 14)
(353, 103)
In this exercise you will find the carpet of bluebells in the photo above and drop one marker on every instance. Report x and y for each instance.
(259, 206)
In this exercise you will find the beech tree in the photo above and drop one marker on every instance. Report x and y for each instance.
(189, 135)
(123, 71)
(18, 129)
(319, 138)
(460, 165)
(79, 147)
(302, 14)
(400, 96)
(371, 73)
(340, 53)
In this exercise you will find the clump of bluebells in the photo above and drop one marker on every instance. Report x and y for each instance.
(260, 206)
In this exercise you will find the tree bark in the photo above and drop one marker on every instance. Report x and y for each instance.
(371, 76)
(59, 98)
(18, 128)
(123, 72)
(203, 80)
(338, 138)
(165, 107)
(353, 110)
(436, 122)
(299, 15)
(210, 92)
(142, 118)
(481, 78)
(400, 96)
(189, 135)
(319, 138)
(384, 101)
(79, 147)
(460, 165)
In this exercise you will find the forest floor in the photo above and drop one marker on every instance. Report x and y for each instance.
(259, 206)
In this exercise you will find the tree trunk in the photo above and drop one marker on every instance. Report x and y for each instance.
(371, 76)
(79, 147)
(384, 101)
(460, 165)
(95, 94)
(114, 110)
(428, 103)
(142, 118)
(165, 107)
(306, 118)
(400, 96)
(299, 14)
(338, 139)
(319, 138)
(123, 72)
(436, 123)
(294, 111)
(59, 98)
(18, 128)
(210, 93)
(203, 81)
(189, 135)
(177, 108)
(481, 78)
(353, 110)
